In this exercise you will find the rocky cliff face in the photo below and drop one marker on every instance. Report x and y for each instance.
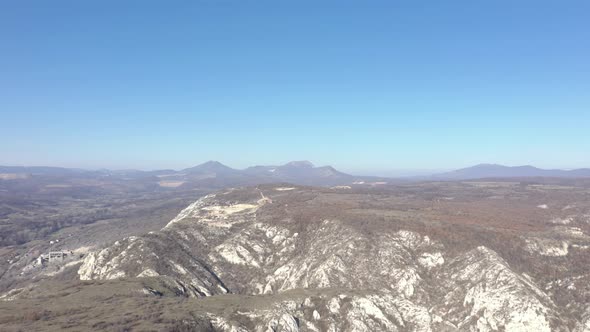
(483, 292)
(333, 272)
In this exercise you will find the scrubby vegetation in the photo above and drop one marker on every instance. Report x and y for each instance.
(458, 216)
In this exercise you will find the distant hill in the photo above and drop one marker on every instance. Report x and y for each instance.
(40, 170)
(211, 174)
(501, 171)
(301, 172)
(214, 167)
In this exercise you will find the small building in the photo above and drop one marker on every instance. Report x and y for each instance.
(56, 256)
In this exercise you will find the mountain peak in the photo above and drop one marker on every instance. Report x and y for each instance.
(300, 163)
(487, 165)
(209, 166)
(481, 171)
(214, 163)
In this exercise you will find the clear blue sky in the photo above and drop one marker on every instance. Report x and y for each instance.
(362, 85)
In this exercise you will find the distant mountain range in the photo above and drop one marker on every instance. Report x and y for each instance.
(297, 172)
(499, 171)
(214, 174)
(211, 174)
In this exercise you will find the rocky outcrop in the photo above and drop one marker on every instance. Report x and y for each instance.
(484, 294)
(337, 256)
(584, 324)
(178, 251)
(244, 242)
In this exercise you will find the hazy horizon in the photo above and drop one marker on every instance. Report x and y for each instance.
(372, 87)
(392, 172)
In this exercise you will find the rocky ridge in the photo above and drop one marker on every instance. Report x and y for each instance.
(252, 242)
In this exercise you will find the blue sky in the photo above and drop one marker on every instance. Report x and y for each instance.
(366, 86)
